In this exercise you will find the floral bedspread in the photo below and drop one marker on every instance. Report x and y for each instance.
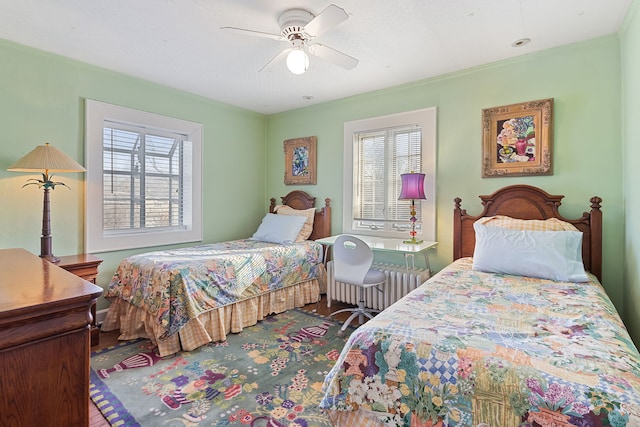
(468, 348)
(178, 285)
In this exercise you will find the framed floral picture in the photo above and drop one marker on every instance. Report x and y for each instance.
(517, 139)
(300, 161)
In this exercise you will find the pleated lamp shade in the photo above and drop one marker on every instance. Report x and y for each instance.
(46, 158)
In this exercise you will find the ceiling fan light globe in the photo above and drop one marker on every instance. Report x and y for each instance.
(297, 61)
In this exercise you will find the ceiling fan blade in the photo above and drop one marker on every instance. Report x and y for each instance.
(342, 59)
(325, 20)
(253, 33)
(275, 59)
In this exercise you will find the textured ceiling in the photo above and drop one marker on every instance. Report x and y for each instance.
(179, 43)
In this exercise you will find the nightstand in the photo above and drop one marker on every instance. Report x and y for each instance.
(85, 266)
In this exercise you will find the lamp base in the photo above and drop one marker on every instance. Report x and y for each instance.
(45, 239)
(413, 241)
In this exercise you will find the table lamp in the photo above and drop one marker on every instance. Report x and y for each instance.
(412, 189)
(46, 159)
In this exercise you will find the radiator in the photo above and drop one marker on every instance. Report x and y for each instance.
(399, 283)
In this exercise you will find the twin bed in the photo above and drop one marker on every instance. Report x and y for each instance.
(482, 343)
(184, 298)
(481, 348)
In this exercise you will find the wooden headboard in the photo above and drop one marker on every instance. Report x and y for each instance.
(527, 202)
(300, 200)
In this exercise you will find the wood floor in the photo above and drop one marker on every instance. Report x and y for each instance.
(110, 338)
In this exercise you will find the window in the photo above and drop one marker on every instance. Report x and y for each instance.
(376, 152)
(144, 179)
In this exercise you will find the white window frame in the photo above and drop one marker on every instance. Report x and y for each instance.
(426, 119)
(96, 239)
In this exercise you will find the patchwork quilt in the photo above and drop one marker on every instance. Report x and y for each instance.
(468, 348)
(178, 285)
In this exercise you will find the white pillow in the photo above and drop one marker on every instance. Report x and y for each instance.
(554, 255)
(279, 228)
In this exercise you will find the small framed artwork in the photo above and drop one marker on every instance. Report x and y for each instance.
(517, 139)
(300, 161)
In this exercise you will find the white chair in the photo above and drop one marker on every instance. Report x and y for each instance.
(352, 260)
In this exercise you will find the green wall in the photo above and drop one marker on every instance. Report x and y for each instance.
(630, 48)
(583, 79)
(41, 100)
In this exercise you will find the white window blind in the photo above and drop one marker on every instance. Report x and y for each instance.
(376, 152)
(144, 179)
(143, 182)
(380, 157)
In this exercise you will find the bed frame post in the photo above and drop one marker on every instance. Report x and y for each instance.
(457, 228)
(595, 225)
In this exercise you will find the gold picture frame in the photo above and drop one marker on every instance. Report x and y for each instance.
(300, 161)
(517, 139)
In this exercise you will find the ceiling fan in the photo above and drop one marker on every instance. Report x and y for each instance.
(299, 27)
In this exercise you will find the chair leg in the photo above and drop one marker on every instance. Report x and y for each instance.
(344, 310)
(360, 311)
(347, 322)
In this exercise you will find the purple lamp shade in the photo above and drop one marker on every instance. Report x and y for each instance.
(412, 186)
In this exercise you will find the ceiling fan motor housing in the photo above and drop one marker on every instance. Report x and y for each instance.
(292, 24)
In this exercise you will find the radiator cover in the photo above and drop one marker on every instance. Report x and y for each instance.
(399, 283)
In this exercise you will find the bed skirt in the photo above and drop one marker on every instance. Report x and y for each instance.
(214, 325)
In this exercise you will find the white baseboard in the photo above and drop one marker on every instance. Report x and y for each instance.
(100, 315)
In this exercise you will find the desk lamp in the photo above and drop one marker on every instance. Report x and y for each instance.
(412, 189)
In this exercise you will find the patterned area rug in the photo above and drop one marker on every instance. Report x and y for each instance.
(270, 374)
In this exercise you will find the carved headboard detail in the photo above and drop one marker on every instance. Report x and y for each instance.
(528, 202)
(300, 200)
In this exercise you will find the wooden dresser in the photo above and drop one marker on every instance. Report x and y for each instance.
(44, 342)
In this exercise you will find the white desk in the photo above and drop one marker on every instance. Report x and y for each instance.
(386, 244)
